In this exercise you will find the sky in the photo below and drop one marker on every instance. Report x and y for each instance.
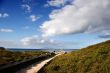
(58, 24)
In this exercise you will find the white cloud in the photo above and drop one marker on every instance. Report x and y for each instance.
(26, 1)
(26, 7)
(9, 44)
(6, 30)
(34, 18)
(56, 3)
(0, 15)
(4, 15)
(35, 41)
(80, 17)
(105, 34)
(26, 27)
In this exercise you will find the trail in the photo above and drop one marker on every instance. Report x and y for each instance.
(35, 68)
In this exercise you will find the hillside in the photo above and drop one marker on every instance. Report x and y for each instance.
(92, 59)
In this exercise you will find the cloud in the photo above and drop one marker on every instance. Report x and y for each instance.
(89, 16)
(8, 44)
(35, 41)
(34, 18)
(26, 7)
(56, 3)
(6, 30)
(105, 34)
(26, 27)
(27, 1)
(4, 15)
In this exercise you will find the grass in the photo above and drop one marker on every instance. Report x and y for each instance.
(7, 57)
(92, 59)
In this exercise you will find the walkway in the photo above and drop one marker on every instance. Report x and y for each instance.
(35, 68)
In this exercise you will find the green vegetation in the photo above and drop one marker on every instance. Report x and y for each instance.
(92, 59)
(7, 57)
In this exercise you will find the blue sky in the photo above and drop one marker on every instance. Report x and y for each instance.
(52, 23)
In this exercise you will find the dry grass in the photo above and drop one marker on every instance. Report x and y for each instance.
(92, 59)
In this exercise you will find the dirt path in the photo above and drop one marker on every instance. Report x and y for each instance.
(35, 68)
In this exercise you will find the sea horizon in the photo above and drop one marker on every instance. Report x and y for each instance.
(38, 49)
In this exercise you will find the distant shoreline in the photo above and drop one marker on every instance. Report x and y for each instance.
(49, 50)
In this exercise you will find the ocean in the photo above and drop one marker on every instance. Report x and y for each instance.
(48, 50)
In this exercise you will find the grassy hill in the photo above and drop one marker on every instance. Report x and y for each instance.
(92, 59)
